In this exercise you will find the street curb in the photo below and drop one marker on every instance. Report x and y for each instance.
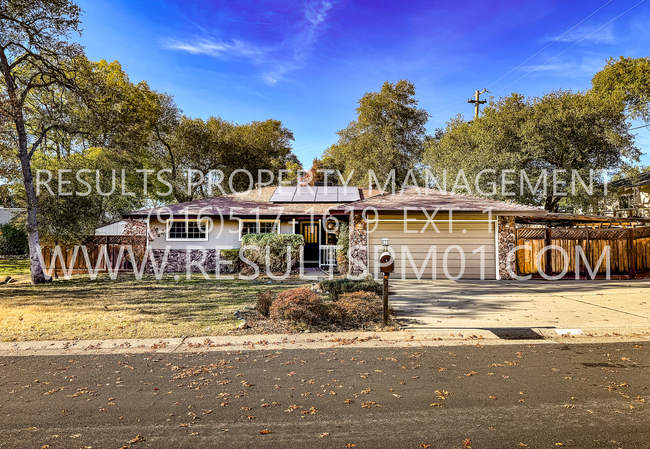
(407, 338)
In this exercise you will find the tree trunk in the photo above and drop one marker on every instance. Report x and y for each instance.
(38, 276)
(552, 203)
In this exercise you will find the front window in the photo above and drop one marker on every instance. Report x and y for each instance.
(187, 230)
(259, 227)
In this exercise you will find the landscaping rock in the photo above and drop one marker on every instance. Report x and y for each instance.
(244, 325)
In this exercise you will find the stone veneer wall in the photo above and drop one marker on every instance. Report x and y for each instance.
(358, 245)
(507, 242)
(176, 260)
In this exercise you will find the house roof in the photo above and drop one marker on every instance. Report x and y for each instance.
(250, 203)
(256, 202)
(641, 179)
(432, 198)
(562, 219)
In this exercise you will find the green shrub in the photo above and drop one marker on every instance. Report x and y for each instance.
(278, 245)
(264, 302)
(13, 241)
(233, 256)
(337, 287)
(358, 308)
(298, 304)
(342, 248)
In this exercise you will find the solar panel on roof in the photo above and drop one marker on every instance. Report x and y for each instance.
(348, 194)
(310, 194)
(304, 194)
(327, 194)
(283, 194)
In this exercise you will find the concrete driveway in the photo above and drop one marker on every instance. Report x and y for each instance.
(532, 309)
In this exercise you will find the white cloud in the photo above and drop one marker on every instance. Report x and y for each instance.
(604, 36)
(290, 55)
(571, 69)
(215, 48)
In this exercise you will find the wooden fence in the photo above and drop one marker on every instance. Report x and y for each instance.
(95, 245)
(629, 251)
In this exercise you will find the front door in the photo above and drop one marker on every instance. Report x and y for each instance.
(310, 232)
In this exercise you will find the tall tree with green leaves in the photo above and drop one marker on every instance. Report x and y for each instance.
(388, 134)
(183, 143)
(629, 79)
(562, 130)
(35, 54)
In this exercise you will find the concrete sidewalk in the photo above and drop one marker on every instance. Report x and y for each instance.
(435, 313)
(530, 309)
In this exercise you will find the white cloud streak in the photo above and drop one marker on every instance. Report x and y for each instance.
(292, 54)
(604, 36)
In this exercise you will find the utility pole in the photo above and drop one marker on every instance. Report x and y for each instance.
(477, 101)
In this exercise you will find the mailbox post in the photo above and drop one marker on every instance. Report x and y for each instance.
(387, 266)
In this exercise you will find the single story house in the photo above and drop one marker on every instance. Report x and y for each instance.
(634, 196)
(433, 234)
(8, 213)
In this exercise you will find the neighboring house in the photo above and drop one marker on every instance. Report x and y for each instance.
(430, 231)
(634, 196)
(7, 214)
(122, 227)
(116, 228)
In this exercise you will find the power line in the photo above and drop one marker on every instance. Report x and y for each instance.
(554, 41)
(569, 48)
(548, 45)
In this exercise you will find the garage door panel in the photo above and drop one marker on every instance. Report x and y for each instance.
(477, 236)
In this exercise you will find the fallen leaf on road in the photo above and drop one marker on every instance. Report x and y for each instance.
(265, 431)
(323, 435)
(467, 443)
(137, 439)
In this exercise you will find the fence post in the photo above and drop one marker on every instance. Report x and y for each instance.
(549, 260)
(631, 253)
(587, 252)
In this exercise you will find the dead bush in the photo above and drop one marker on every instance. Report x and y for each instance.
(298, 304)
(264, 301)
(358, 308)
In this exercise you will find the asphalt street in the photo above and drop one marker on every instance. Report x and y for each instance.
(538, 395)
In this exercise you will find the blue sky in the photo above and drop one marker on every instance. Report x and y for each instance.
(307, 63)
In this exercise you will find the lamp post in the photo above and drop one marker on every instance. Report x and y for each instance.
(387, 265)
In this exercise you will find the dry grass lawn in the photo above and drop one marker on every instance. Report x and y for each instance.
(81, 308)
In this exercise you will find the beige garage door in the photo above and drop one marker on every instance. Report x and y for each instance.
(423, 251)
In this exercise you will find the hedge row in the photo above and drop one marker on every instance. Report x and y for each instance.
(306, 306)
(337, 287)
(273, 250)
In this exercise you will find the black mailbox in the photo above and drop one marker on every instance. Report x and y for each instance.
(386, 262)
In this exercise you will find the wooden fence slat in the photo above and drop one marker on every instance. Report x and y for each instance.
(629, 250)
